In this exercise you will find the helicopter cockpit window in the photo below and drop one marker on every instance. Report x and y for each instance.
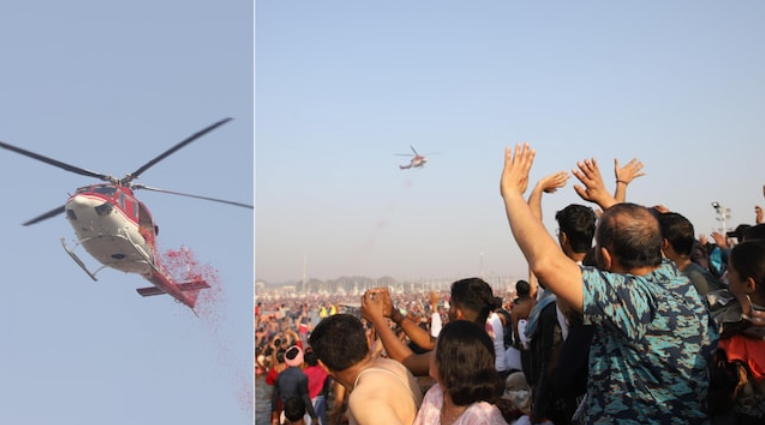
(105, 190)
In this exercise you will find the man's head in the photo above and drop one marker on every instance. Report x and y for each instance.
(756, 232)
(746, 272)
(310, 358)
(294, 409)
(339, 342)
(739, 232)
(472, 299)
(294, 356)
(628, 237)
(679, 233)
(280, 355)
(522, 289)
(576, 224)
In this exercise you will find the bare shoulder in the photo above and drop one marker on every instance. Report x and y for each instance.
(370, 404)
(380, 394)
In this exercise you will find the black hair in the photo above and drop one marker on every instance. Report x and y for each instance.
(465, 361)
(756, 232)
(589, 259)
(280, 355)
(294, 409)
(339, 341)
(678, 231)
(292, 353)
(631, 234)
(310, 358)
(740, 232)
(578, 223)
(522, 288)
(748, 259)
(475, 295)
(498, 301)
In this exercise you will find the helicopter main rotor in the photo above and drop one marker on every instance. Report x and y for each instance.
(135, 174)
(126, 181)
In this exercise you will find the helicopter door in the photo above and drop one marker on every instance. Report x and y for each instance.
(147, 228)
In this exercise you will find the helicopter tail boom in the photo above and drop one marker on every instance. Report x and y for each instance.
(188, 286)
(186, 293)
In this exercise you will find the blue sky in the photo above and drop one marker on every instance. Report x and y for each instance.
(108, 86)
(343, 86)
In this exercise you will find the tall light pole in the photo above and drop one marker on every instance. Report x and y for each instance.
(723, 214)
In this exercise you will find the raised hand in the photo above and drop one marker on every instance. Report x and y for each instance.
(515, 174)
(594, 189)
(720, 239)
(629, 172)
(553, 182)
(372, 306)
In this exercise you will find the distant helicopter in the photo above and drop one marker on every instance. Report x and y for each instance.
(117, 229)
(417, 160)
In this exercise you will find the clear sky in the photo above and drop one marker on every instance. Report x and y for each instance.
(107, 86)
(343, 86)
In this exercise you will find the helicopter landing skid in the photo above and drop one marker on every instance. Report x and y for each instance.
(79, 262)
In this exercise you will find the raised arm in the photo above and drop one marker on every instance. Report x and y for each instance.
(547, 261)
(548, 184)
(293, 335)
(372, 310)
(435, 316)
(624, 177)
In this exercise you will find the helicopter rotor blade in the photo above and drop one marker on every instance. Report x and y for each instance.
(415, 152)
(55, 163)
(134, 175)
(206, 198)
(52, 213)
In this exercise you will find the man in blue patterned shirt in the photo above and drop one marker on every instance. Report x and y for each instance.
(653, 334)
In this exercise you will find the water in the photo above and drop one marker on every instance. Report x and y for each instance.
(262, 401)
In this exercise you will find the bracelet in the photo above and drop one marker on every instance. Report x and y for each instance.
(621, 181)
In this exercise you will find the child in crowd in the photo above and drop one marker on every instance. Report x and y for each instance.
(737, 375)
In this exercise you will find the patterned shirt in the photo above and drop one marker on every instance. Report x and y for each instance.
(653, 339)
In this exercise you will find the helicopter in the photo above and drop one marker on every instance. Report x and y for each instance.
(417, 161)
(117, 229)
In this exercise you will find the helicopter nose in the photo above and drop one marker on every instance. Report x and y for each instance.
(84, 207)
(104, 209)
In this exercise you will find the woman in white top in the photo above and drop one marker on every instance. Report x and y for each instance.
(468, 384)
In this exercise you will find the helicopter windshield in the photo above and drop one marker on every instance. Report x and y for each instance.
(107, 190)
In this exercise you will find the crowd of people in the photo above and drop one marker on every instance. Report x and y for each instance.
(627, 316)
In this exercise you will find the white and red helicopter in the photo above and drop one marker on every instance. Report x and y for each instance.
(117, 229)
(417, 161)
